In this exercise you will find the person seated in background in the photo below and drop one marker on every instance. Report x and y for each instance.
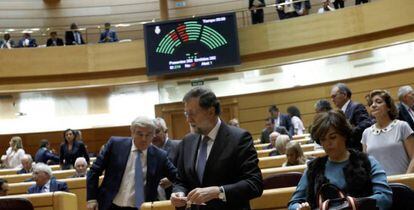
(355, 173)
(281, 142)
(339, 4)
(54, 40)
(294, 154)
(272, 137)
(45, 155)
(81, 166)
(7, 42)
(280, 119)
(322, 105)
(74, 36)
(256, 10)
(234, 122)
(389, 140)
(326, 7)
(27, 163)
(4, 187)
(27, 41)
(14, 153)
(108, 35)
(42, 175)
(302, 8)
(294, 114)
(269, 126)
(406, 105)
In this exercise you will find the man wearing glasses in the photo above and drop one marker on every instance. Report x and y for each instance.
(217, 163)
(355, 113)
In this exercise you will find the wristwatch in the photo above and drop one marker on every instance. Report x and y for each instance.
(221, 195)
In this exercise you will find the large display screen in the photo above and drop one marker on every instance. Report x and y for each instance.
(191, 44)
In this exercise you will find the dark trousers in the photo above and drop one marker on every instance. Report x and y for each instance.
(360, 2)
(257, 16)
(339, 4)
(115, 207)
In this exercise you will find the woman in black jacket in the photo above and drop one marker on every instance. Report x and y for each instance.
(71, 149)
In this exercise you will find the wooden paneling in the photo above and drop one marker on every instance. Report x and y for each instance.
(93, 138)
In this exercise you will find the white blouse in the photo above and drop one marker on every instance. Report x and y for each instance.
(12, 159)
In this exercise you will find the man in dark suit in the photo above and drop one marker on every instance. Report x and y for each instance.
(128, 162)
(42, 175)
(406, 105)
(27, 41)
(54, 40)
(108, 35)
(162, 141)
(269, 128)
(45, 155)
(355, 113)
(256, 10)
(74, 36)
(27, 162)
(281, 120)
(217, 163)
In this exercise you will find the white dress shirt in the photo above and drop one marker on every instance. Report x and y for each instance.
(345, 106)
(126, 194)
(46, 187)
(212, 135)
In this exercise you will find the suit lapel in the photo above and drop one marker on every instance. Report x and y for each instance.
(348, 110)
(52, 186)
(151, 162)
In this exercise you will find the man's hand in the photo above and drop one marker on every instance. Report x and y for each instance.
(92, 205)
(178, 199)
(165, 183)
(304, 206)
(203, 195)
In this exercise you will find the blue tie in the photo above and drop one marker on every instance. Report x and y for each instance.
(202, 158)
(139, 182)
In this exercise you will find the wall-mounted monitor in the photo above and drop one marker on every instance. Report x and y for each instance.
(192, 44)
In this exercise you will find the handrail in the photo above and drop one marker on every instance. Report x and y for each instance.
(128, 26)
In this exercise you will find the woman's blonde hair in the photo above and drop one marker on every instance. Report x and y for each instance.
(295, 147)
(281, 142)
(16, 143)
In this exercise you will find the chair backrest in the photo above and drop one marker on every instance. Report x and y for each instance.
(402, 196)
(282, 180)
(15, 204)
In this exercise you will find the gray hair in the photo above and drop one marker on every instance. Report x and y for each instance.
(404, 90)
(29, 158)
(160, 123)
(81, 160)
(143, 122)
(42, 167)
(343, 89)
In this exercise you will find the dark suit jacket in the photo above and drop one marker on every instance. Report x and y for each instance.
(32, 43)
(404, 115)
(286, 122)
(232, 163)
(78, 150)
(358, 116)
(23, 171)
(70, 38)
(113, 160)
(59, 42)
(43, 155)
(54, 186)
(171, 147)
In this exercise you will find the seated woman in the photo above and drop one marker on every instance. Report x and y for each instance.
(281, 142)
(389, 140)
(353, 172)
(14, 153)
(294, 154)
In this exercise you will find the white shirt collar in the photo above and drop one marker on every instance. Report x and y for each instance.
(213, 133)
(345, 105)
(134, 148)
(47, 186)
(376, 131)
